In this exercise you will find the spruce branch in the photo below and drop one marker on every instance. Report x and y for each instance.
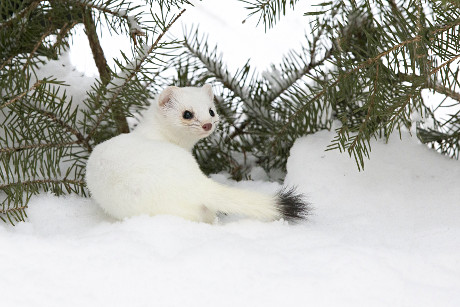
(44, 181)
(101, 64)
(37, 45)
(54, 118)
(7, 62)
(200, 49)
(270, 10)
(25, 11)
(7, 211)
(435, 70)
(365, 122)
(362, 65)
(18, 213)
(287, 83)
(400, 107)
(62, 34)
(18, 97)
(430, 84)
(113, 95)
(37, 146)
(440, 88)
(133, 25)
(96, 49)
(296, 75)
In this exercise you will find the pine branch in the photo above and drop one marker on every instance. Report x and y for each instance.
(430, 84)
(435, 70)
(18, 97)
(98, 52)
(438, 87)
(362, 65)
(7, 62)
(32, 6)
(132, 23)
(212, 65)
(8, 211)
(270, 10)
(37, 45)
(118, 90)
(63, 181)
(37, 146)
(101, 64)
(62, 34)
(80, 137)
(363, 125)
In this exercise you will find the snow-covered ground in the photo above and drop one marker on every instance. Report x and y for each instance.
(388, 236)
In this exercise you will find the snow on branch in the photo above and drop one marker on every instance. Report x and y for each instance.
(134, 28)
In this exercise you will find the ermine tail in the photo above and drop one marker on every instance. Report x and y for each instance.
(292, 205)
(285, 204)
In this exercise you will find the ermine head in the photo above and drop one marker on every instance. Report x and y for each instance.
(188, 113)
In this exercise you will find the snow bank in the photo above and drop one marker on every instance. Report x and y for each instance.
(388, 236)
(396, 223)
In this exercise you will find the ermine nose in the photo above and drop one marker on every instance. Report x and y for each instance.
(207, 126)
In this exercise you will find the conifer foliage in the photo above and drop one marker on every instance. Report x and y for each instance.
(365, 65)
(45, 136)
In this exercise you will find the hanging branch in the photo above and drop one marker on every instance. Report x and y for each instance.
(62, 34)
(134, 71)
(369, 111)
(64, 181)
(430, 84)
(13, 100)
(360, 66)
(199, 49)
(438, 87)
(96, 49)
(37, 45)
(22, 13)
(7, 211)
(37, 146)
(270, 10)
(134, 28)
(80, 137)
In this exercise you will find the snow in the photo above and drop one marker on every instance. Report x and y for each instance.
(77, 84)
(388, 236)
(221, 21)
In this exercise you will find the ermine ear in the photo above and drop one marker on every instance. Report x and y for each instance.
(166, 95)
(208, 89)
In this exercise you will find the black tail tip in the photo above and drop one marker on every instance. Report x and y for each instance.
(292, 205)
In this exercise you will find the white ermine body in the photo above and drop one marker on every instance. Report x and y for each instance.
(152, 170)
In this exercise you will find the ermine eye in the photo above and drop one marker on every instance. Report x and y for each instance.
(211, 112)
(187, 115)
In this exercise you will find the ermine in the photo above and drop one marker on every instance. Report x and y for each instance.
(152, 170)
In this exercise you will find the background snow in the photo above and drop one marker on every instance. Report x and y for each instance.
(388, 236)
(221, 21)
(375, 238)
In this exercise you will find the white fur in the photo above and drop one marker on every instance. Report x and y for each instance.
(152, 171)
